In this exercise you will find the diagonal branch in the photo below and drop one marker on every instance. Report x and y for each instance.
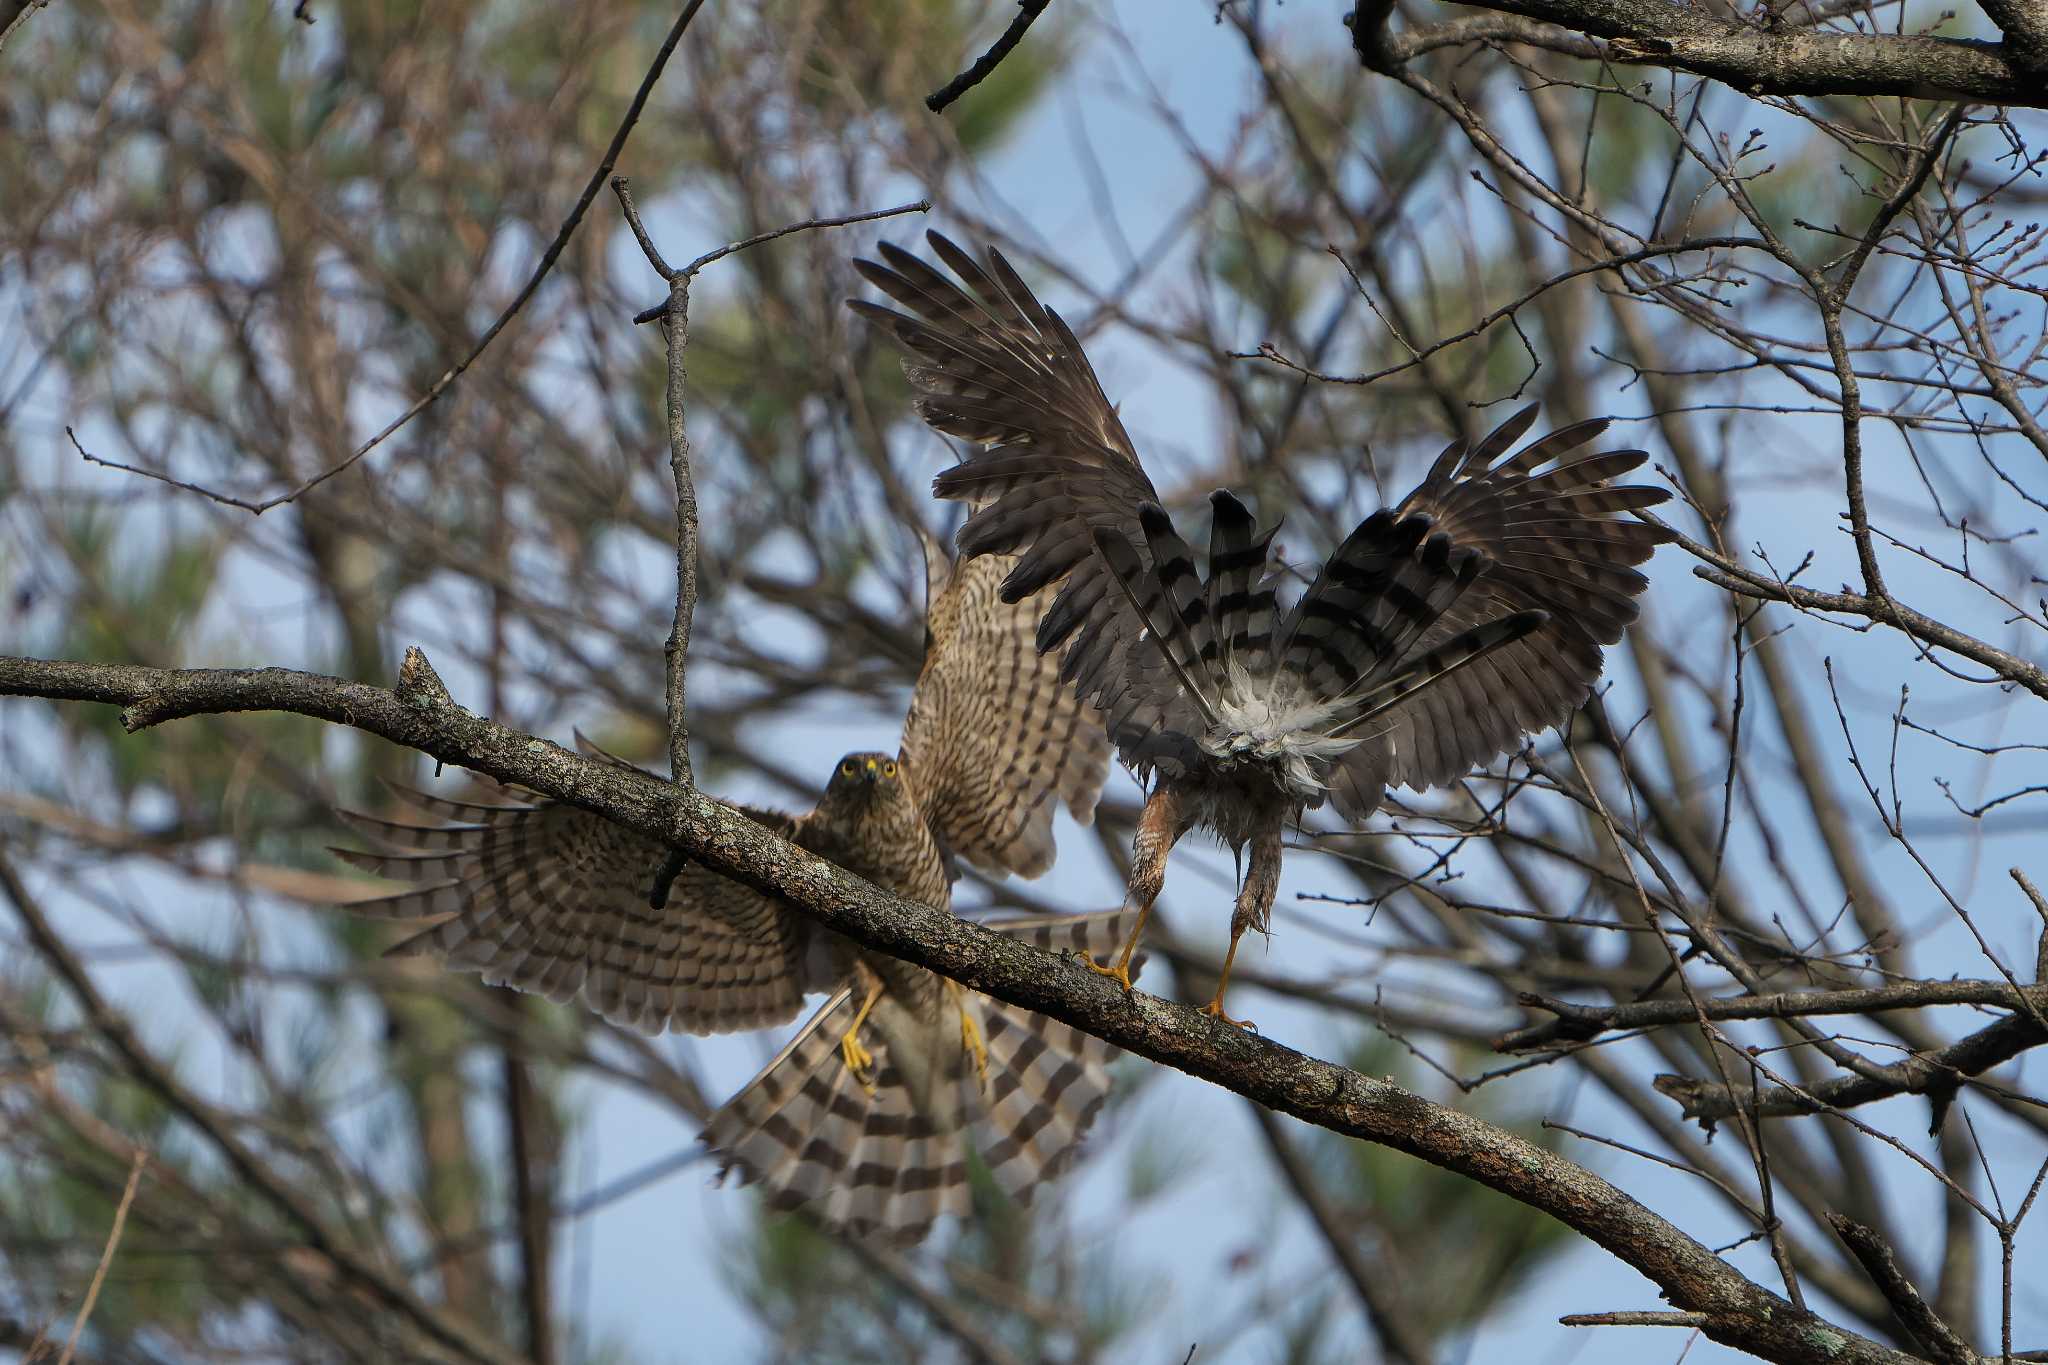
(1936, 1337)
(1735, 1310)
(1577, 1023)
(1027, 12)
(1932, 1073)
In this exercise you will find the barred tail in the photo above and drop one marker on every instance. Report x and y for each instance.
(812, 1136)
(1047, 1081)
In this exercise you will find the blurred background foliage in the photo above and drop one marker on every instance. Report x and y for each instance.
(234, 244)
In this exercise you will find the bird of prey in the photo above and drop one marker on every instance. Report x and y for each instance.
(1435, 637)
(864, 1115)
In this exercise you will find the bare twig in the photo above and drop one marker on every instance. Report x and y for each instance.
(675, 320)
(1634, 1318)
(1927, 1073)
(99, 1274)
(1579, 1023)
(660, 310)
(1027, 12)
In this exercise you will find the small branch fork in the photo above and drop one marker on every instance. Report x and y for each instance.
(674, 316)
(1734, 1309)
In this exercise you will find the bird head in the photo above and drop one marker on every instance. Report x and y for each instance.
(863, 778)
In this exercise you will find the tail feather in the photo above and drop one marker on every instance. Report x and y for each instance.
(1373, 599)
(1241, 602)
(1432, 667)
(1047, 1080)
(888, 1165)
(812, 1137)
(1153, 602)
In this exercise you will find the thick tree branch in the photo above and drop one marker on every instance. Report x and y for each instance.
(13, 14)
(1784, 61)
(2025, 26)
(1735, 1310)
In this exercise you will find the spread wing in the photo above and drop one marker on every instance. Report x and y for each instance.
(992, 365)
(555, 900)
(1557, 544)
(994, 738)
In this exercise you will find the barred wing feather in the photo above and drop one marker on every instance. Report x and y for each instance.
(555, 900)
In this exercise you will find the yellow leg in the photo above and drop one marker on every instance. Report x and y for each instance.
(1159, 827)
(1121, 972)
(970, 1032)
(859, 1060)
(1215, 1007)
(1254, 905)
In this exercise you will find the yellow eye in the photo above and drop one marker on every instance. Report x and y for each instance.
(848, 768)
(888, 767)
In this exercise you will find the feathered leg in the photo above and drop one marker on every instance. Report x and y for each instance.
(1254, 903)
(1159, 828)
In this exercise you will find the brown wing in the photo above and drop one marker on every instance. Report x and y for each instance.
(992, 365)
(994, 739)
(555, 900)
(1557, 544)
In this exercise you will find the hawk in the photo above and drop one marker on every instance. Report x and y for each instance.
(1435, 637)
(863, 1116)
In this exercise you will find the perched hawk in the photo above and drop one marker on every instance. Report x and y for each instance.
(863, 1116)
(1436, 636)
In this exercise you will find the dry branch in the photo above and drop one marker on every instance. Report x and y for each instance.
(1757, 61)
(1737, 1311)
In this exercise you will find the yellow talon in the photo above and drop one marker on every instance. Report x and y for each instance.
(859, 1060)
(970, 1035)
(1120, 972)
(1214, 1009)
